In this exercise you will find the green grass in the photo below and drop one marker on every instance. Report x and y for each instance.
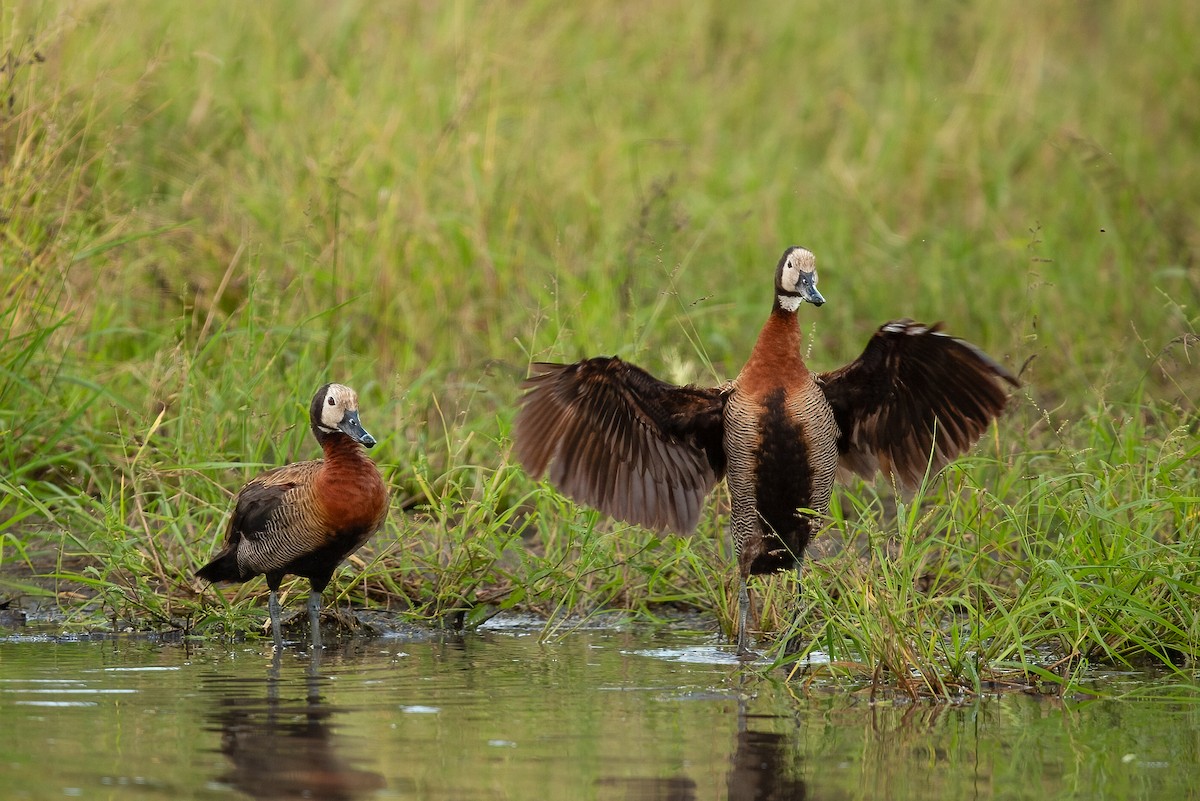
(208, 213)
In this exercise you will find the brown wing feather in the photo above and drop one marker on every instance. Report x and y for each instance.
(267, 529)
(260, 507)
(617, 438)
(913, 394)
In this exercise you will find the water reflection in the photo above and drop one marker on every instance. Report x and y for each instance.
(671, 788)
(505, 716)
(764, 766)
(280, 739)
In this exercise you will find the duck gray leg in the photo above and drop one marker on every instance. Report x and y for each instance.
(314, 618)
(273, 610)
(743, 635)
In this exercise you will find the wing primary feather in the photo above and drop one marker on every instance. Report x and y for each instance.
(914, 400)
(613, 436)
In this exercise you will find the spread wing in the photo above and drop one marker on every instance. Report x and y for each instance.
(916, 398)
(617, 438)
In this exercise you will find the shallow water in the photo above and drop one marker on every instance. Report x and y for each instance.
(597, 714)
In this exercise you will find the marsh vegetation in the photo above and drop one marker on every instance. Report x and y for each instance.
(207, 215)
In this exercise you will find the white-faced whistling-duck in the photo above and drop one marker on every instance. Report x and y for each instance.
(305, 518)
(648, 452)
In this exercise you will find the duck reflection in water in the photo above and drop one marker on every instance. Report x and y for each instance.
(762, 768)
(284, 748)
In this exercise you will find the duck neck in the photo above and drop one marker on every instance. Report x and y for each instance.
(778, 345)
(340, 448)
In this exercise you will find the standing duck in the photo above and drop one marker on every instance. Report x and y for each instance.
(305, 518)
(648, 452)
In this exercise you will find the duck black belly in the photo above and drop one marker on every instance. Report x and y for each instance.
(782, 458)
(783, 484)
(319, 563)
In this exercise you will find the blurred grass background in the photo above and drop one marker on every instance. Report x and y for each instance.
(209, 210)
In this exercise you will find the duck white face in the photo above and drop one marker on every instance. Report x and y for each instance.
(796, 279)
(335, 408)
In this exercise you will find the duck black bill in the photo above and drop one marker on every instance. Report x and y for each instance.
(351, 427)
